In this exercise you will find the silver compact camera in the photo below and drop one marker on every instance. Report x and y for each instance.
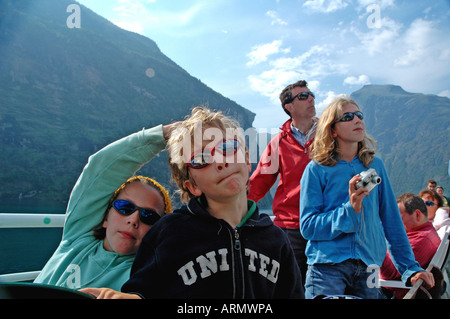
(369, 179)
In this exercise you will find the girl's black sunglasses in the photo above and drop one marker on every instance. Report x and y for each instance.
(146, 215)
(347, 117)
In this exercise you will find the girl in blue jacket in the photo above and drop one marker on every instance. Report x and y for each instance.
(347, 227)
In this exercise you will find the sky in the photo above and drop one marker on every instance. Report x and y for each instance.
(250, 50)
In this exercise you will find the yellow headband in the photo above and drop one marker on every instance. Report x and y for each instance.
(167, 201)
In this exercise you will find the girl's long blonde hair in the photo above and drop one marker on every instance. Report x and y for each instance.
(325, 149)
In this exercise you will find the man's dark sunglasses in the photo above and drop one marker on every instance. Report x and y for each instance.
(146, 215)
(303, 96)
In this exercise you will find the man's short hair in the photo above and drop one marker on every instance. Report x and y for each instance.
(286, 94)
(412, 202)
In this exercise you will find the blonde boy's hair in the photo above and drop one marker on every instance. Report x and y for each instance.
(325, 149)
(191, 131)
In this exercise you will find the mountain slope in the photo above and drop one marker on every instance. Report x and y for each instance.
(412, 133)
(65, 93)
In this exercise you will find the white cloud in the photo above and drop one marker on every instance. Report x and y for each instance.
(417, 40)
(313, 85)
(129, 8)
(361, 80)
(275, 19)
(397, 53)
(260, 53)
(312, 65)
(130, 26)
(330, 97)
(325, 6)
(379, 40)
(445, 93)
(355, 55)
(382, 3)
(270, 83)
(136, 16)
(299, 61)
(334, 55)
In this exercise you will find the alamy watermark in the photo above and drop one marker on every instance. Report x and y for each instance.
(374, 19)
(373, 280)
(255, 142)
(74, 19)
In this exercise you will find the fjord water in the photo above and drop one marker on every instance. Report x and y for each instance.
(28, 249)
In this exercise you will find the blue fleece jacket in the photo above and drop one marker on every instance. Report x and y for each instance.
(336, 233)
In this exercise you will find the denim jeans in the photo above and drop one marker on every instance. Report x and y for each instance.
(346, 278)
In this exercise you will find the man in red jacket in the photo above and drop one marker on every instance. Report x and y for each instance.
(286, 157)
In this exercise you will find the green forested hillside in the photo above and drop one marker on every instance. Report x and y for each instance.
(67, 92)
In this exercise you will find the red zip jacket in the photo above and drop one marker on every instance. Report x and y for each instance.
(286, 157)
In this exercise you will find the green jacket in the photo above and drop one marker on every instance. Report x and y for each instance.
(80, 260)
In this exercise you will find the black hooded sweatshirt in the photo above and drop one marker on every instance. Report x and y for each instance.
(190, 254)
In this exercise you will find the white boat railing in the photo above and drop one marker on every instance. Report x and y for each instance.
(20, 276)
(28, 221)
(31, 220)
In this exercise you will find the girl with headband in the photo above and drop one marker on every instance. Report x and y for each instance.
(109, 212)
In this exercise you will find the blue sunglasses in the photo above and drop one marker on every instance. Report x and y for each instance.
(429, 203)
(146, 215)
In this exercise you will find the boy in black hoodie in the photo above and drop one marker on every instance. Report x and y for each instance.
(218, 245)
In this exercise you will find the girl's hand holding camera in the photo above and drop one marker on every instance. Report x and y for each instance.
(356, 195)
